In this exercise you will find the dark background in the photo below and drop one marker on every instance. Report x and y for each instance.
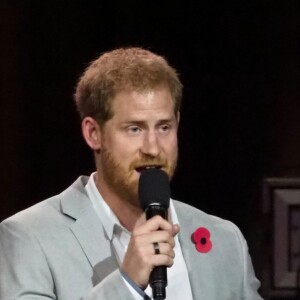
(238, 61)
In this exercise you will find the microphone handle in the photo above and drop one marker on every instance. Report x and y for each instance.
(154, 210)
(158, 277)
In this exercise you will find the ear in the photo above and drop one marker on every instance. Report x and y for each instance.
(91, 132)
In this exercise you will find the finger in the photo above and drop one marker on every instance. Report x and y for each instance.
(153, 224)
(162, 260)
(159, 236)
(145, 242)
(163, 249)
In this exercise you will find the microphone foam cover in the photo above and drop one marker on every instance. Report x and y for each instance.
(154, 188)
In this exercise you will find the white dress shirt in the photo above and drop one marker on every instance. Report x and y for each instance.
(178, 280)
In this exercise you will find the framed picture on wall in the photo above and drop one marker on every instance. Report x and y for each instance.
(281, 207)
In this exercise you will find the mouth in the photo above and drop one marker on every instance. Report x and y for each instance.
(140, 169)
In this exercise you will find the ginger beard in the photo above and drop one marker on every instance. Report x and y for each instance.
(124, 181)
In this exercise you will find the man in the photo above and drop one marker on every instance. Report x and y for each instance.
(92, 241)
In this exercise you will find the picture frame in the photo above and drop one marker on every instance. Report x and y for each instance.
(281, 209)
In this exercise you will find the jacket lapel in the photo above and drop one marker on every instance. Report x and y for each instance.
(190, 257)
(199, 265)
(88, 229)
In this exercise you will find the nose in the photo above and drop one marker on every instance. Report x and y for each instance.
(150, 145)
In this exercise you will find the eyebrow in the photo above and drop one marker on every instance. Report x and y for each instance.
(140, 123)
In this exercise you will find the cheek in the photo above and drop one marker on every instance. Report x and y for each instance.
(125, 149)
(170, 147)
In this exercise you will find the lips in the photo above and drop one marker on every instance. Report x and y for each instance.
(140, 169)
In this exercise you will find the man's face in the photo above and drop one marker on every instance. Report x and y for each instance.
(141, 134)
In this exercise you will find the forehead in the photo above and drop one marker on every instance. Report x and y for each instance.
(131, 102)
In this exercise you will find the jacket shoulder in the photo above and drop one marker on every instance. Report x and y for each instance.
(47, 212)
(194, 217)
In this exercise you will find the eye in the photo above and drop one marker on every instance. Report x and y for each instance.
(164, 127)
(134, 129)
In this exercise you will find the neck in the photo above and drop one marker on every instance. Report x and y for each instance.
(127, 212)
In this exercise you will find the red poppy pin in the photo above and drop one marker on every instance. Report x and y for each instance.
(201, 237)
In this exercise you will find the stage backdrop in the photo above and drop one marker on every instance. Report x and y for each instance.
(238, 61)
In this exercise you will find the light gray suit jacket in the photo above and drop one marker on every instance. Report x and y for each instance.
(58, 249)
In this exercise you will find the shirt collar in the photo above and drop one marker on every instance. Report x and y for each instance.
(107, 216)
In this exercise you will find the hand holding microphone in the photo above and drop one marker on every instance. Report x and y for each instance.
(154, 194)
(150, 249)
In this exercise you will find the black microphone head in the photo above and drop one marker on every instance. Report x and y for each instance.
(154, 188)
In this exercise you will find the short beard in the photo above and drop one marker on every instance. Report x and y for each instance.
(120, 180)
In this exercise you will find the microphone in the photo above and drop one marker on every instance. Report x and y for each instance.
(154, 195)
